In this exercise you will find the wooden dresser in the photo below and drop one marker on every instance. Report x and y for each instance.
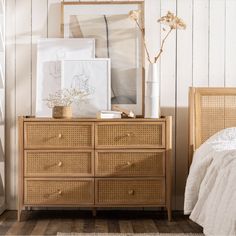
(94, 163)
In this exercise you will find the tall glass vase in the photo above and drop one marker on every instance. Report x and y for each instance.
(152, 92)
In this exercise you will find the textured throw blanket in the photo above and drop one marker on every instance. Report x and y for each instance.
(210, 194)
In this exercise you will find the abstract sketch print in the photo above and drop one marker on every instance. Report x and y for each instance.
(116, 38)
(90, 76)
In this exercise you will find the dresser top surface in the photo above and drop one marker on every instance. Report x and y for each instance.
(48, 119)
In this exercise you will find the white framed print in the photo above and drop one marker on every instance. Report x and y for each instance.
(50, 54)
(93, 75)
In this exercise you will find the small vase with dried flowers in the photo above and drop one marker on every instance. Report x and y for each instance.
(61, 101)
(152, 88)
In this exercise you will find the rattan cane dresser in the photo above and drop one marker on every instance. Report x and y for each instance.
(94, 163)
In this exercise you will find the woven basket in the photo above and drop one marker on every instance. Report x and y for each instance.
(60, 112)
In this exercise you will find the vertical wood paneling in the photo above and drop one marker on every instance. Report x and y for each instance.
(39, 30)
(184, 81)
(23, 57)
(23, 64)
(152, 28)
(217, 43)
(168, 79)
(200, 42)
(230, 52)
(54, 12)
(2, 115)
(10, 106)
(203, 55)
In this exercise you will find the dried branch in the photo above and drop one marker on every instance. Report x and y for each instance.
(172, 21)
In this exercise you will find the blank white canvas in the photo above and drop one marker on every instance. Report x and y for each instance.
(96, 74)
(50, 54)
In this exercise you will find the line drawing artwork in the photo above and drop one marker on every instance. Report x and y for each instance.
(55, 67)
(81, 81)
(92, 77)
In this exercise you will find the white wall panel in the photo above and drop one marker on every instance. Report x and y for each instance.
(200, 42)
(217, 43)
(54, 18)
(183, 82)
(10, 105)
(230, 43)
(39, 30)
(168, 80)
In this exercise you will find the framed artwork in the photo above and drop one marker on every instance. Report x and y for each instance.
(118, 38)
(50, 54)
(91, 75)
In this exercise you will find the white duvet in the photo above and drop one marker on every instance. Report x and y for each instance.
(210, 194)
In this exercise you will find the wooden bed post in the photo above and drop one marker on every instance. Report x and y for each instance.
(191, 118)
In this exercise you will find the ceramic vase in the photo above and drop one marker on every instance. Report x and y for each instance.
(152, 92)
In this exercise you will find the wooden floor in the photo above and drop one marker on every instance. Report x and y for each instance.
(51, 222)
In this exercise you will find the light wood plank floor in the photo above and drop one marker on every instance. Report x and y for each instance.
(51, 222)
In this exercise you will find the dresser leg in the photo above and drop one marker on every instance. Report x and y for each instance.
(94, 212)
(19, 215)
(169, 213)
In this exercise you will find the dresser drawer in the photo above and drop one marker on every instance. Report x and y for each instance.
(130, 191)
(130, 135)
(58, 191)
(58, 135)
(124, 163)
(58, 163)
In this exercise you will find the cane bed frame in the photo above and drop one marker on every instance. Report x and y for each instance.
(210, 110)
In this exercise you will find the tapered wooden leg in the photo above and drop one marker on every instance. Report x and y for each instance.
(94, 212)
(169, 213)
(19, 215)
(169, 181)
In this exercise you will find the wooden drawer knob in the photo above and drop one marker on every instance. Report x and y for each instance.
(129, 163)
(59, 136)
(59, 192)
(131, 134)
(59, 163)
(131, 192)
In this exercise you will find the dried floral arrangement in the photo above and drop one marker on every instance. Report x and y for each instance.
(66, 97)
(170, 20)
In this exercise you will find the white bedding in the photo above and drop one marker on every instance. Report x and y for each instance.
(210, 194)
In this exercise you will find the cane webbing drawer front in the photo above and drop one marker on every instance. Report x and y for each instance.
(130, 191)
(58, 135)
(58, 192)
(58, 163)
(130, 163)
(130, 135)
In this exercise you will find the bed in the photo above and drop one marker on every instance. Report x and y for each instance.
(210, 194)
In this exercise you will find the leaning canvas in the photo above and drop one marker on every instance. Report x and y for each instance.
(50, 54)
(93, 77)
(118, 38)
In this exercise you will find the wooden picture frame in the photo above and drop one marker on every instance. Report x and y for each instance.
(127, 88)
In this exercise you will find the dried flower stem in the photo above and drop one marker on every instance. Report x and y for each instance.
(172, 21)
(162, 45)
(144, 41)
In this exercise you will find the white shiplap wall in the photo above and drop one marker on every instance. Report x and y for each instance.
(203, 55)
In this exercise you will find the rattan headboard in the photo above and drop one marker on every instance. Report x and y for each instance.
(210, 110)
